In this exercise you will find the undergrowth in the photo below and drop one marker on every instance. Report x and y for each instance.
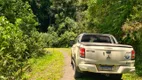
(48, 67)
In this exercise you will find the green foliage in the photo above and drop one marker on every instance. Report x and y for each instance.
(62, 36)
(16, 48)
(19, 39)
(133, 32)
(64, 40)
(63, 20)
(109, 15)
(51, 37)
(131, 76)
(12, 49)
(44, 13)
(120, 18)
(45, 67)
(13, 9)
(35, 44)
(55, 18)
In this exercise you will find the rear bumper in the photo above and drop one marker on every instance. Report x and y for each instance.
(93, 68)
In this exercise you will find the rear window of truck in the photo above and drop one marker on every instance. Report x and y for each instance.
(96, 38)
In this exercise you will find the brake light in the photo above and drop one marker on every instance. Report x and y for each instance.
(132, 54)
(82, 52)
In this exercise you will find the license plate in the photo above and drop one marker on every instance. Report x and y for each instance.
(106, 68)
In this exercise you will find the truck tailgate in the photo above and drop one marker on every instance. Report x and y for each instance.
(108, 54)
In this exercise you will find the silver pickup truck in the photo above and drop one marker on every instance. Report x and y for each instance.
(101, 53)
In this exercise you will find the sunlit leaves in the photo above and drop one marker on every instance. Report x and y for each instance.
(122, 18)
(19, 39)
(11, 47)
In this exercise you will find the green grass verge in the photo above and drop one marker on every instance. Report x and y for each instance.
(131, 76)
(48, 67)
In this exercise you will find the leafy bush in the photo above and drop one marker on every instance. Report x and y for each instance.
(12, 49)
(65, 38)
(51, 37)
(19, 39)
(122, 19)
(16, 47)
(35, 44)
(133, 33)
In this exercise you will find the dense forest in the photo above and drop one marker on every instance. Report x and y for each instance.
(28, 26)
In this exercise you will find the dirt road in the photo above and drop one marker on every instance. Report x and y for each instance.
(68, 70)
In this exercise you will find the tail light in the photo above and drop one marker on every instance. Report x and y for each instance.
(132, 54)
(82, 52)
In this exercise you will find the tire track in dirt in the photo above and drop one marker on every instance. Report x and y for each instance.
(68, 70)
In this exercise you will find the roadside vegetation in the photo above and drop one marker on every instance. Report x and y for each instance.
(48, 67)
(131, 76)
(29, 26)
(19, 38)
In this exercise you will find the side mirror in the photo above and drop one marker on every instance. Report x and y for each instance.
(71, 42)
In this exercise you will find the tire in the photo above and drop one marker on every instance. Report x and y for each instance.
(116, 76)
(71, 61)
(77, 73)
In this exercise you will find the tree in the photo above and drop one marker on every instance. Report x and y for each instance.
(19, 39)
(45, 15)
(12, 49)
(120, 18)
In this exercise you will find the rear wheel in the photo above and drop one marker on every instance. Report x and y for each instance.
(77, 73)
(71, 61)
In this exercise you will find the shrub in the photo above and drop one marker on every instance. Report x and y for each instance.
(12, 49)
(35, 44)
(66, 37)
(16, 47)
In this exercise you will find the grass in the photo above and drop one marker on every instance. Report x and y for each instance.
(131, 76)
(48, 67)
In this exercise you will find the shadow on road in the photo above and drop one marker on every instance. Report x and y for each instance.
(93, 76)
